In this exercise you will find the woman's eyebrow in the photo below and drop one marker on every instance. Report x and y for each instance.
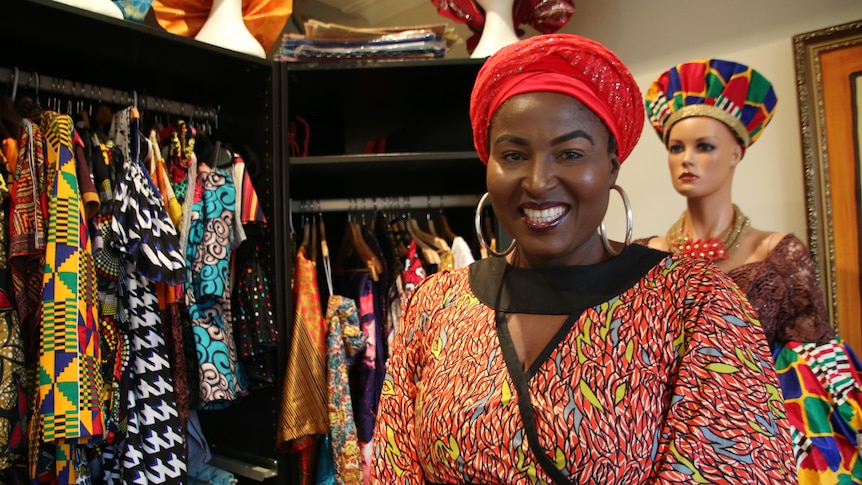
(560, 139)
(572, 135)
(510, 139)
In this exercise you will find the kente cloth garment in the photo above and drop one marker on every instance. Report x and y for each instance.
(13, 401)
(67, 410)
(660, 375)
(27, 233)
(344, 340)
(821, 388)
(819, 374)
(265, 19)
(151, 448)
(304, 412)
(208, 292)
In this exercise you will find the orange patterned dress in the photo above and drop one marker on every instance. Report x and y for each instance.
(660, 375)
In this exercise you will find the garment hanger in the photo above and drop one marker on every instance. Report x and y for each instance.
(442, 223)
(306, 233)
(357, 240)
(312, 246)
(324, 252)
(425, 241)
(353, 245)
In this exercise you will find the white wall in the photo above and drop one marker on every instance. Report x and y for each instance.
(769, 183)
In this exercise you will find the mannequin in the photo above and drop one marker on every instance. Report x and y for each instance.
(225, 28)
(499, 30)
(103, 7)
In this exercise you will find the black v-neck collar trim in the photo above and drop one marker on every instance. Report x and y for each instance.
(563, 290)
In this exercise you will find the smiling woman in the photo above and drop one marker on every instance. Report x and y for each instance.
(571, 358)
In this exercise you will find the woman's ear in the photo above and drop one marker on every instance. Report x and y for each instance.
(615, 168)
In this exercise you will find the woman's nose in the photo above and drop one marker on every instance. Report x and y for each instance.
(541, 177)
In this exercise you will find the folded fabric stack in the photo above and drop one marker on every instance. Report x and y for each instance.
(333, 42)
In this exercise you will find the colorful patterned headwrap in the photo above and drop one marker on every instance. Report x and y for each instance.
(560, 63)
(732, 93)
(546, 16)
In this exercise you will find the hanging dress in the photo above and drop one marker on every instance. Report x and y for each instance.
(67, 410)
(152, 450)
(208, 292)
(304, 412)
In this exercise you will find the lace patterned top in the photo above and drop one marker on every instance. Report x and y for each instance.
(784, 292)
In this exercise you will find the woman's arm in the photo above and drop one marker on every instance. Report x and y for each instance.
(726, 421)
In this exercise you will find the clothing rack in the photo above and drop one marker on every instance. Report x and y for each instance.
(75, 89)
(417, 202)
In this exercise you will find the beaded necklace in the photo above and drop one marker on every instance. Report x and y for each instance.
(712, 249)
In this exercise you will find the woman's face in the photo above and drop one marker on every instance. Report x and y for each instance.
(702, 153)
(549, 177)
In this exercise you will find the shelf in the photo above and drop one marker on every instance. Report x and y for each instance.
(378, 64)
(118, 53)
(377, 158)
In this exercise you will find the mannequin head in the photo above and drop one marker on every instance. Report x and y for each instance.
(702, 155)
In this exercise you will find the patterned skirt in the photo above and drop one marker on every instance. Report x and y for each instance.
(822, 387)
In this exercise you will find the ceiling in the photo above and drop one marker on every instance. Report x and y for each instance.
(639, 31)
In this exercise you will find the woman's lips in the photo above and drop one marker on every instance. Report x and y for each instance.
(544, 217)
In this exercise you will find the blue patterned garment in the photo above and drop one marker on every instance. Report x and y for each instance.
(208, 292)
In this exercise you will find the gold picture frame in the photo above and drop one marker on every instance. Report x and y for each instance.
(828, 62)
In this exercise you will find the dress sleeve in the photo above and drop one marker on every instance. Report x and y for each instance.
(726, 421)
(792, 296)
(395, 458)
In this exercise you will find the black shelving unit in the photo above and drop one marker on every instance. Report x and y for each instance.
(63, 42)
(380, 131)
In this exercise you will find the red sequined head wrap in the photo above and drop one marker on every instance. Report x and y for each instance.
(561, 63)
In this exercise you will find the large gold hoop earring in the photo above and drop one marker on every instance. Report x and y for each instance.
(627, 206)
(478, 222)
